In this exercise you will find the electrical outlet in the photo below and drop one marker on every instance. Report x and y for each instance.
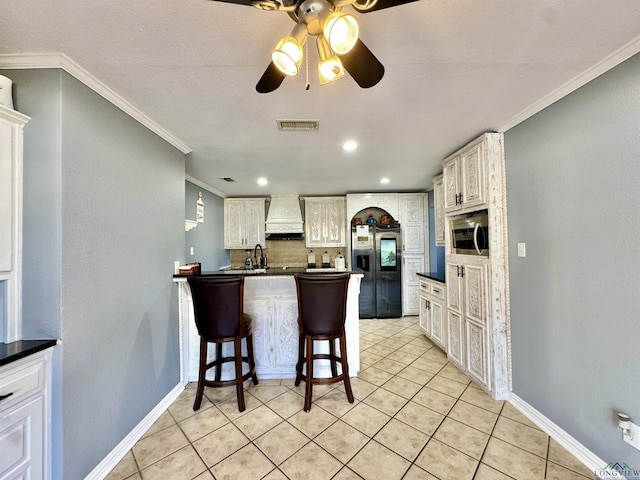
(191, 251)
(522, 250)
(176, 267)
(633, 438)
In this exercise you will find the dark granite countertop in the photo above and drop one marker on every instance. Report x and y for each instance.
(10, 352)
(273, 271)
(437, 276)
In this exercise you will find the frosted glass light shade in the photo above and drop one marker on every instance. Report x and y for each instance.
(330, 69)
(341, 31)
(287, 56)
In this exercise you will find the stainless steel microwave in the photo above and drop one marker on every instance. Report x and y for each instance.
(470, 234)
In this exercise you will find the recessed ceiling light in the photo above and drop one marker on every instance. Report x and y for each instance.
(262, 181)
(349, 145)
(384, 180)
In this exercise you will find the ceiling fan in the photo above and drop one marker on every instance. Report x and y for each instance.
(339, 46)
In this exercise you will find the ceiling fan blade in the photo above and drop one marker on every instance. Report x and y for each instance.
(380, 4)
(363, 65)
(270, 80)
(238, 2)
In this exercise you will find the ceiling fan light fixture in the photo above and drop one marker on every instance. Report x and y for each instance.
(330, 67)
(287, 56)
(341, 31)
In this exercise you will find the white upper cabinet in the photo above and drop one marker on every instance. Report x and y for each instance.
(465, 184)
(325, 224)
(11, 142)
(244, 222)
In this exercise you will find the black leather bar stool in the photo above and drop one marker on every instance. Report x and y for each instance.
(218, 309)
(322, 311)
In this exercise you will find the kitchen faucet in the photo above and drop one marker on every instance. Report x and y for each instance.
(260, 263)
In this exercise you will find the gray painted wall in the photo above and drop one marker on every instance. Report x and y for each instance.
(207, 239)
(100, 243)
(573, 197)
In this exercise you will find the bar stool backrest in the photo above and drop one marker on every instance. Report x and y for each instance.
(322, 303)
(217, 305)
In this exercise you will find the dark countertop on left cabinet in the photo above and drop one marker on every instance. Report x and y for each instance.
(10, 352)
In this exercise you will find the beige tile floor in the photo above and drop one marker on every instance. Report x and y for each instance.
(415, 416)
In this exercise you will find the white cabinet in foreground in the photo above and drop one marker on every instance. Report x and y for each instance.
(25, 416)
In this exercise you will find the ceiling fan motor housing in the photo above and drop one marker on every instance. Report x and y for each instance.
(312, 13)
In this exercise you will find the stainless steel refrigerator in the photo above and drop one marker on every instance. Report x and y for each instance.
(376, 253)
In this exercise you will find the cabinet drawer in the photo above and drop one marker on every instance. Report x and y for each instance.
(437, 291)
(20, 381)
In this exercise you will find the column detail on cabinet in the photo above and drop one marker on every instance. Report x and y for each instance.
(325, 224)
(438, 199)
(244, 222)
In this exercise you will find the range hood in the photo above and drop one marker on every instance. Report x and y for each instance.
(284, 220)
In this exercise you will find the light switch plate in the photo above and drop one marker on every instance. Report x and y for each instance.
(522, 251)
(633, 438)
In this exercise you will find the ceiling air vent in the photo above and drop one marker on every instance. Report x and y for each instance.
(227, 179)
(298, 125)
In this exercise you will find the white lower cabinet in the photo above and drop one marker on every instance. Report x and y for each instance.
(24, 417)
(432, 308)
(467, 309)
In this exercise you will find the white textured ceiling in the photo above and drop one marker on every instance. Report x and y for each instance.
(454, 69)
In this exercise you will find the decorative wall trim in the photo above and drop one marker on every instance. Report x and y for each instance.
(60, 60)
(207, 187)
(575, 448)
(113, 458)
(616, 58)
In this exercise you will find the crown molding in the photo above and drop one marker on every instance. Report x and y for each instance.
(13, 115)
(207, 187)
(616, 58)
(60, 60)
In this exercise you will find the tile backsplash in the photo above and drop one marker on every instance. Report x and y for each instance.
(290, 253)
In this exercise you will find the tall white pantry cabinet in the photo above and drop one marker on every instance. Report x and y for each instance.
(477, 302)
(25, 383)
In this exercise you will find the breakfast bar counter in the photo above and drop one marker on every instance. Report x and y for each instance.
(271, 300)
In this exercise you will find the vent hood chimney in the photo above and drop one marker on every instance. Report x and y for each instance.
(284, 220)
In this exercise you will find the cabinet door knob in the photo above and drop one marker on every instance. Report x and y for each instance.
(2, 397)
(460, 198)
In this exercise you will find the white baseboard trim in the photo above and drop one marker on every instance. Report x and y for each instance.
(113, 458)
(575, 448)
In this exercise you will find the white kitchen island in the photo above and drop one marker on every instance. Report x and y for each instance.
(272, 302)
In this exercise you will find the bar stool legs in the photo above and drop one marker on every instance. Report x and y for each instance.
(237, 359)
(306, 357)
